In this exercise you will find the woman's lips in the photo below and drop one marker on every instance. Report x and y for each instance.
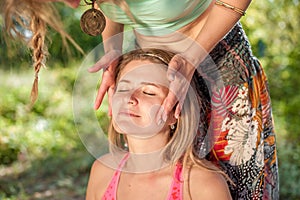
(128, 113)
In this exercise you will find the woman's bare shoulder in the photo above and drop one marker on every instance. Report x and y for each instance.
(207, 184)
(104, 166)
(100, 176)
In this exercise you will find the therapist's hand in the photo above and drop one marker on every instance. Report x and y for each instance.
(180, 73)
(108, 64)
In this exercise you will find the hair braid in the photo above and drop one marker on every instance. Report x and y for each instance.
(39, 52)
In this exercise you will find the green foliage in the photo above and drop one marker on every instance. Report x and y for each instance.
(289, 163)
(273, 29)
(8, 154)
(41, 144)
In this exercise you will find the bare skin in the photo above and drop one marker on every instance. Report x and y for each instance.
(155, 185)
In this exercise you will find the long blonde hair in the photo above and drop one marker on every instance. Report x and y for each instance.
(35, 17)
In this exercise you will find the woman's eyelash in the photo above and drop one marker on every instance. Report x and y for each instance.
(143, 90)
(149, 93)
(122, 90)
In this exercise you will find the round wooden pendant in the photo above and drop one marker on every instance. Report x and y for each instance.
(92, 22)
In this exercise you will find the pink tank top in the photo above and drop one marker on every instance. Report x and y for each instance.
(175, 192)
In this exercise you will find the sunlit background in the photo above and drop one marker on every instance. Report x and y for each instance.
(41, 155)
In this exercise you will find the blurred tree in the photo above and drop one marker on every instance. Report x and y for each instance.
(273, 29)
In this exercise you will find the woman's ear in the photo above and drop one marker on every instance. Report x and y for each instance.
(171, 119)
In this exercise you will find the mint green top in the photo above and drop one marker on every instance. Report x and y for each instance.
(156, 17)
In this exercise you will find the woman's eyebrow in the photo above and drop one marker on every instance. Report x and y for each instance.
(124, 81)
(150, 83)
(142, 83)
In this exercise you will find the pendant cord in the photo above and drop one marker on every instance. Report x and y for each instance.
(90, 2)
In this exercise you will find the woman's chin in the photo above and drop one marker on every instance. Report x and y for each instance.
(138, 132)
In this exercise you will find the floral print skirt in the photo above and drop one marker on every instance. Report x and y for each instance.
(239, 135)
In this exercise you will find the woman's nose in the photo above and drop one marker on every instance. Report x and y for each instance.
(133, 98)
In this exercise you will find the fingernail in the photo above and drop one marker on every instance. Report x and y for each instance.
(176, 115)
(164, 117)
(159, 122)
(95, 107)
(171, 77)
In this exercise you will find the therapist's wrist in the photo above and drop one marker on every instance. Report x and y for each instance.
(195, 54)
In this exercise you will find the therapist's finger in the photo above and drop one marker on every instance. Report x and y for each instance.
(107, 60)
(167, 107)
(110, 93)
(176, 63)
(107, 82)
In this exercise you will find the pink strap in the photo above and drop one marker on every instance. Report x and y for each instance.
(111, 190)
(175, 192)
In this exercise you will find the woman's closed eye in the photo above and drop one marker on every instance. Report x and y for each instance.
(150, 90)
(144, 92)
(123, 87)
(149, 93)
(122, 90)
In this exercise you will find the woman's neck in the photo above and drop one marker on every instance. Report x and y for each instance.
(146, 155)
(148, 145)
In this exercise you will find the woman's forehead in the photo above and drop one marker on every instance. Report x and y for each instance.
(145, 71)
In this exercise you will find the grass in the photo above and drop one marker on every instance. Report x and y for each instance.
(41, 154)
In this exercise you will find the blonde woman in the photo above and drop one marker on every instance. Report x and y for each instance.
(150, 161)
